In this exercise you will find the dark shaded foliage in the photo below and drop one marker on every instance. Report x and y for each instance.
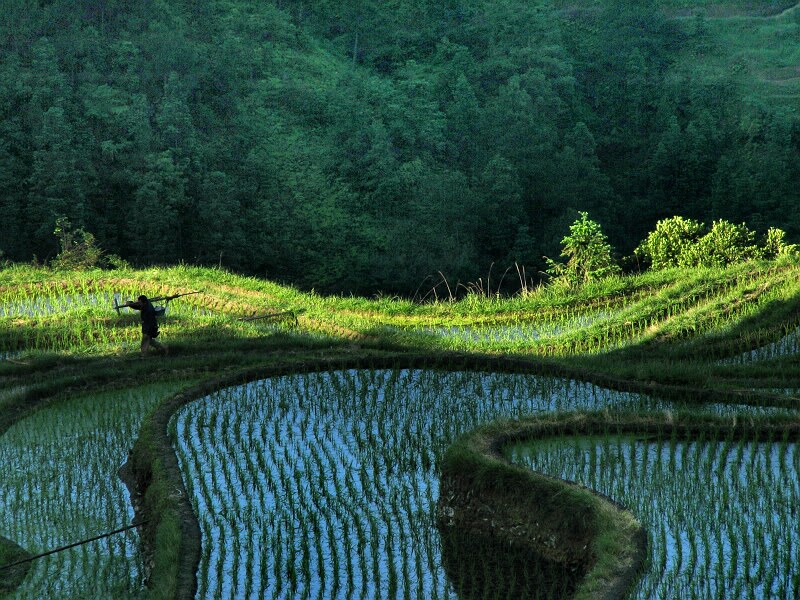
(360, 147)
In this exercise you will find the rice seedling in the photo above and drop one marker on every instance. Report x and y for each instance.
(788, 345)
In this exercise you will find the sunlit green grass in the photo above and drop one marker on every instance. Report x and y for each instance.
(73, 313)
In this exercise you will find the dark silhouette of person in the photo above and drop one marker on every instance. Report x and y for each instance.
(149, 324)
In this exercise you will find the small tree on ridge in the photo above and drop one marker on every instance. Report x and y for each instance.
(588, 254)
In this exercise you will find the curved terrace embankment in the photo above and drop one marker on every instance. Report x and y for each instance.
(573, 530)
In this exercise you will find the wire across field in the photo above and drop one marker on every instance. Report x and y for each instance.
(60, 485)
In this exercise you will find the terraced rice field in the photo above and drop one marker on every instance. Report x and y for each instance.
(60, 486)
(721, 516)
(324, 485)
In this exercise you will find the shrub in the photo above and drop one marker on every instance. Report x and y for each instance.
(774, 246)
(725, 244)
(79, 249)
(588, 254)
(670, 241)
(679, 242)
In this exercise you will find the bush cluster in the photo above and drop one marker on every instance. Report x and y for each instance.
(675, 242)
(680, 242)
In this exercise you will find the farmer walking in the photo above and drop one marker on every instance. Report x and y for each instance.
(149, 324)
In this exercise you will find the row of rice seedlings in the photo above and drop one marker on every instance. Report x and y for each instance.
(39, 306)
(739, 303)
(633, 323)
(60, 485)
(52, 285)
(517, 330)
(326, 483)
(721, 514)
(593, 332)
(788, 345)
(58, 318)
(545, 312)
(585, 329)
(64, 315)
(61, 293)
(9, 394)
(71, 332)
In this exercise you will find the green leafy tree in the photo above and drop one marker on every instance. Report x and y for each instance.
(588, 254)
(668, 244)
(58, 182)
(15, 163)
(322, 142)
(758, 180)
(581, 183)
(79, 249)
(219, 231)
(463, 115)
(436, 232)
(725, 244)
(501, 209)
(155, 214)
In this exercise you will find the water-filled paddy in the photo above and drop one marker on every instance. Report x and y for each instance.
(512, 334)
(60, 485)
(324, 485)
(38, 306)
(516, 332)
(721, 516)
(786, 346)
(45, 305)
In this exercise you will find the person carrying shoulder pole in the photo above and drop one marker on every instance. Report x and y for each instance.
(149, 324)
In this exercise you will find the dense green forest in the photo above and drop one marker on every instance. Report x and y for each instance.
(361, 146)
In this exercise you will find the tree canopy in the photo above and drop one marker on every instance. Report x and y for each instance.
(358, 146)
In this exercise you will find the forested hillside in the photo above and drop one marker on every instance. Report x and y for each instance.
(360, 146)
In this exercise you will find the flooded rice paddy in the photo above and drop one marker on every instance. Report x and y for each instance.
(515, 334)
(60, 485)
(721, 517)
(39, 306)
(325, 485)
